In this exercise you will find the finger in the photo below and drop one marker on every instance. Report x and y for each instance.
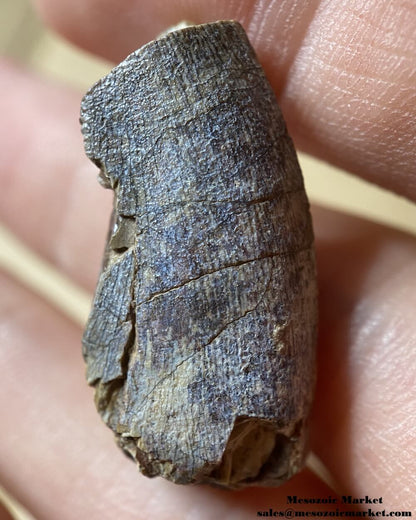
(50, 195)
(345, 73)
(365, 407)
(58, 458)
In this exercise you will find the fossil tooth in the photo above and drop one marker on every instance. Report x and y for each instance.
(201, 339)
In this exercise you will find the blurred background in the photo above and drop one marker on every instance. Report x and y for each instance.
(24, 39)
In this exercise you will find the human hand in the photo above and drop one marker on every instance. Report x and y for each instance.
(345, 80)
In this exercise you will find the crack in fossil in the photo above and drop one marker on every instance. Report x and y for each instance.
(222, 268)
(268, 197)
(210, 341)
(115, 385)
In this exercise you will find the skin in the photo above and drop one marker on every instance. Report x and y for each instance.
(345, 78)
